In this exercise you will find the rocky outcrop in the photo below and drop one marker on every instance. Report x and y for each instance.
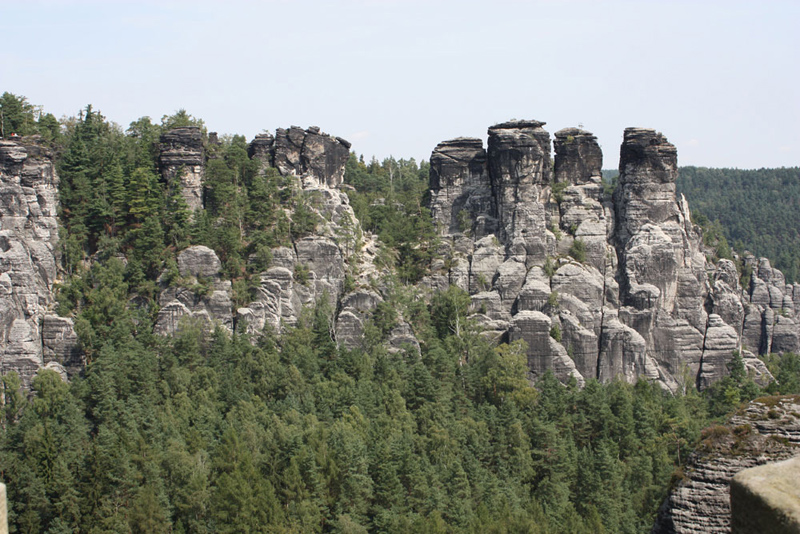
(28, 261)
(182, 161)
(767, 430)
(584, 211)
(356, 308)
(520, 171)
(308, 152)
(766, 499)
(314, 267)
(200, 293)
(460, 189)
(622, 280)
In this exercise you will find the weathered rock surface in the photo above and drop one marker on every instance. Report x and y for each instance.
(460, 190)
(307, 152)
(599, 285)
(766, 430)
(201, 293)
(641, 300)
(357, 308)
(767, 499)
(182, 160)
(28, 261)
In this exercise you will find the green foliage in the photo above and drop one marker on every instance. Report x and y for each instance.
(578, 250)
(755, 209)
(301, 273)
(388, 201)
(464, 221)
(17, 116)
(549, 267)
(713, 237)
(727, 394)
(555, 332)
(209, 432)
(558, 191)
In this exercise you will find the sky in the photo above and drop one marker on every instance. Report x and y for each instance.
(719, 78)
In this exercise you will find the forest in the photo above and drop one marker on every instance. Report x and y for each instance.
(209, 432)
(755, 210)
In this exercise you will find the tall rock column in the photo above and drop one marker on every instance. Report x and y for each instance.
(28, 259)
(519, 167)
(182, 158)
(648, 168)
(585, 212)
(461, 199)
(662, 276)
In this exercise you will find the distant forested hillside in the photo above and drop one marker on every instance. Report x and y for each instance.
(759, 210)
(754, 210)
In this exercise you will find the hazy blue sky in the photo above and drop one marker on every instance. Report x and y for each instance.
(719, 78)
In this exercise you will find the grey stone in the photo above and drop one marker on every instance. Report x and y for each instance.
(761, 433)
(206, 297)
(720, 343)
(309, 153)
(766, 499)
(199, 261)
(29, 255)
(579, 159)
(182, 159)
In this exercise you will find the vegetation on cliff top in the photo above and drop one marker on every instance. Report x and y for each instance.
(206, 432)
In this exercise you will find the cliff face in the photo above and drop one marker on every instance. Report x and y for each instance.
(182, 159)
(599, 285)
(621, 279)
(300, 275)
(766, 430)
(30, 337)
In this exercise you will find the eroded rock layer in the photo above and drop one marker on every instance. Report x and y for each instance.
(29, 336)
(767, 430)
(600, 285)
(182, 160)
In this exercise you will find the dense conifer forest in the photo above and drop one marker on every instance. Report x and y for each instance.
(206, 432)
(755, 210)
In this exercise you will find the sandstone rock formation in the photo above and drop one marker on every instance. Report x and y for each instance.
(599, 285)
(767, 499)
(182, 159)
(314, 267)
(303, 152)
(621, 280)
(767, 430)
(201, 293)
(29, 262)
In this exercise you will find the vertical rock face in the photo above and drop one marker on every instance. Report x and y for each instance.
(182, 158)
(309, 153)
(261, 149)
(599, 286)
(579, 159)
(519, 166)
(461, 199)
(648, 168)
(28, 258)
(766, 431)
(584, 213)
